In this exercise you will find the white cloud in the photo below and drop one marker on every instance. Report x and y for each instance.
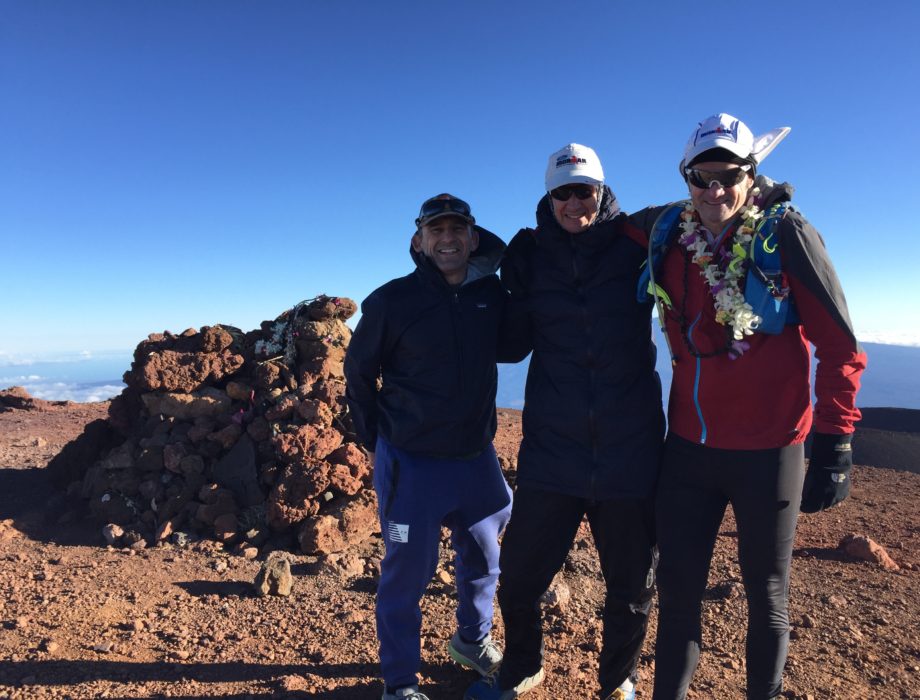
(907, 338)
(13, 359)
(81, 393)
(18, 379)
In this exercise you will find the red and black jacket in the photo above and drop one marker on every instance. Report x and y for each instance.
(761, 399)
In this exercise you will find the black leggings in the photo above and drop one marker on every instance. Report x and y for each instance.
(542, 528)
(764, 488)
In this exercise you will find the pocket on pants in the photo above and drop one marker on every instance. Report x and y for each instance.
(386, 479)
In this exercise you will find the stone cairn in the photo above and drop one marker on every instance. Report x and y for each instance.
(238, 437)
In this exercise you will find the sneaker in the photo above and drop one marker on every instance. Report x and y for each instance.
(626, 691)
(410, 692)
(487, 688)
(482, 656)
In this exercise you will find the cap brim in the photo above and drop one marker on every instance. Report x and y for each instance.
(440, 215)
(571, 178)
(724, 144)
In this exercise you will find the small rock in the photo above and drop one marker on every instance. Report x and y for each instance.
(557, 596)
(164, 531)
(50, 646)
(864, 549)
(249, 552)
(104, 647)
(444, 576)
(344, 564)
(808, 622)
(274, 577)
(112, 534)
(219, 565)
(292, 684)
(727, 590)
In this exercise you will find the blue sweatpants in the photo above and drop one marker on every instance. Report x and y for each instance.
(417, 495)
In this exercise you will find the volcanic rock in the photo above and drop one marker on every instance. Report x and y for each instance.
(862, 548)
(208, 402)
(228, 433)
(274, 577)
(345, 524)
(306, 442)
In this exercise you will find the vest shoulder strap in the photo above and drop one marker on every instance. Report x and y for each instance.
(660, 239)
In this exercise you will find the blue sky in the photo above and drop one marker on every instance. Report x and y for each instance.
(173, 164)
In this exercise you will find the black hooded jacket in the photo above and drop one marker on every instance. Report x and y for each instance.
(434, 347)
(593, 422)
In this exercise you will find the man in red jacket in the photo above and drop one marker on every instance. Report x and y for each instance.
(740, 405)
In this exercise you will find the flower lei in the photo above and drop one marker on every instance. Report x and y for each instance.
(723, 269)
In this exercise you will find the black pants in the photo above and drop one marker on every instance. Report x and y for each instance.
(542, 528)
(764, 488)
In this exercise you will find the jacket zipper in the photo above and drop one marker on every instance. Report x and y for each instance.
(592, 419)
(456, 317)
(696, 384)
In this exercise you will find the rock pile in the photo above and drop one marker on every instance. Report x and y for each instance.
(16, 397)
(237, 436)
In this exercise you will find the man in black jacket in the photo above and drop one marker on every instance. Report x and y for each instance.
(431, 338)
(592, 423)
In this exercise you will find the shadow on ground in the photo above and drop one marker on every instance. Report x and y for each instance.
(446, 680)
(42, 512)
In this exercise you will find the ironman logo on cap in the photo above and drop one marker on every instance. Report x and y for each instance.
(731, 132)
(569, 160)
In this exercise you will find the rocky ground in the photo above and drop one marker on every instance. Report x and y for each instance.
(80, 620)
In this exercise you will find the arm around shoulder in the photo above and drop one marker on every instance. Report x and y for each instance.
(514, 339)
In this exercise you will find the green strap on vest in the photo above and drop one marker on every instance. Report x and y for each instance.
(764, 287)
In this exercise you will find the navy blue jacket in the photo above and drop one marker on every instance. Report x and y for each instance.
(434, 347)
(593, 423)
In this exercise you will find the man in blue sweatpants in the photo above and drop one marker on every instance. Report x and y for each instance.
(431, 339)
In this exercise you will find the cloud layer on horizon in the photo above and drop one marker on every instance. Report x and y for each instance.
(901, 338)
(25, 359)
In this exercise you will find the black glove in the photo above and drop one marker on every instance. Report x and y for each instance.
(827, 481)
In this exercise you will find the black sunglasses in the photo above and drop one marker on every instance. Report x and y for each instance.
(443, 205)
(564, 193)
(725, 178)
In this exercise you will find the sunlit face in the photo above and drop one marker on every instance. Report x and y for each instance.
(718, 205)
(575, 215)
(448, 242)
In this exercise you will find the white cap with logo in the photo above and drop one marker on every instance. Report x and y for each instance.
(731, 134)
(573, 164)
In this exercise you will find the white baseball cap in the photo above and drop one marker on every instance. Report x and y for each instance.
(573, 164)
(731, 134)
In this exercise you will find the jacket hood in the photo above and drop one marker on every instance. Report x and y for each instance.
(773, 192)
(610, 207)
(483, 261)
